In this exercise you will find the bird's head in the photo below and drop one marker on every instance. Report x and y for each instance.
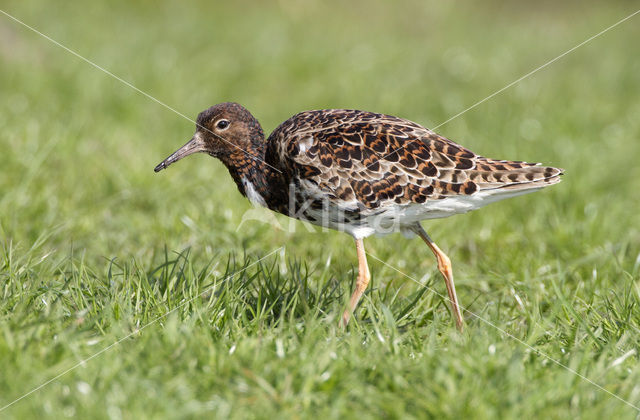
(221, 131)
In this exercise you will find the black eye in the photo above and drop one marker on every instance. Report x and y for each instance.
(222, 124)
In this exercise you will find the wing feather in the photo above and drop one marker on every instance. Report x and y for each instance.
(370, 160)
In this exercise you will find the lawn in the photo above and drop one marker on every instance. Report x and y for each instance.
(129, 294)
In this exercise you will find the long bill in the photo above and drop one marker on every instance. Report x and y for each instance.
(194, 145)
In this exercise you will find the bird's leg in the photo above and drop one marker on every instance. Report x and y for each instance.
(444, 266)
(361, 282)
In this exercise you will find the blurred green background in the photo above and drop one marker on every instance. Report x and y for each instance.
(95, 245)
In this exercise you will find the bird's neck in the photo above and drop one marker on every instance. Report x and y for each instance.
(256, 179)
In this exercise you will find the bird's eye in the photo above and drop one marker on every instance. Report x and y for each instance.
(222, 124)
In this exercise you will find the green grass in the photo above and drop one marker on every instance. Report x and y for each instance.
(95, 246)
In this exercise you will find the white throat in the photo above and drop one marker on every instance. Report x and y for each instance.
(252, 194)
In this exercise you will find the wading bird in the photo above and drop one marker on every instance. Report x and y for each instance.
(359, 172)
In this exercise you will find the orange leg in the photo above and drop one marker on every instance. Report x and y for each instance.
(444, 266)
(361, 282)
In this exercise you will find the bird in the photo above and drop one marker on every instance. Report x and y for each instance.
(361, 173)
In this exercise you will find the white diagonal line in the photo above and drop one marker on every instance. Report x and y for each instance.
(538, 68)
(517, 80)
(158, 101)
(137, 330)
(546, 356)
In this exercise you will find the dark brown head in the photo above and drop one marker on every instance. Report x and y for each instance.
(221, 131)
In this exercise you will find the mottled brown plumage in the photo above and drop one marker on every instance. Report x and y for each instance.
(359, 172)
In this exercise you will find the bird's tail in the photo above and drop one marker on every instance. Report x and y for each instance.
(503, 179)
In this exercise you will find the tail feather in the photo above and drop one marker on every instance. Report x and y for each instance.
(506, 184)
(496, 175)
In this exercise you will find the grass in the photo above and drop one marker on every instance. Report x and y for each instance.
(95, 247)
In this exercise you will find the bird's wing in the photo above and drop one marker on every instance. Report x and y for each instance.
(375, 160)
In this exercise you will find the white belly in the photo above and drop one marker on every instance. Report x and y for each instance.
(398, 218)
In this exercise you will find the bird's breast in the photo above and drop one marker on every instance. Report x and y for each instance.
(252, 193)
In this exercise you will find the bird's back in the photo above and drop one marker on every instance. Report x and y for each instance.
(377, 164)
